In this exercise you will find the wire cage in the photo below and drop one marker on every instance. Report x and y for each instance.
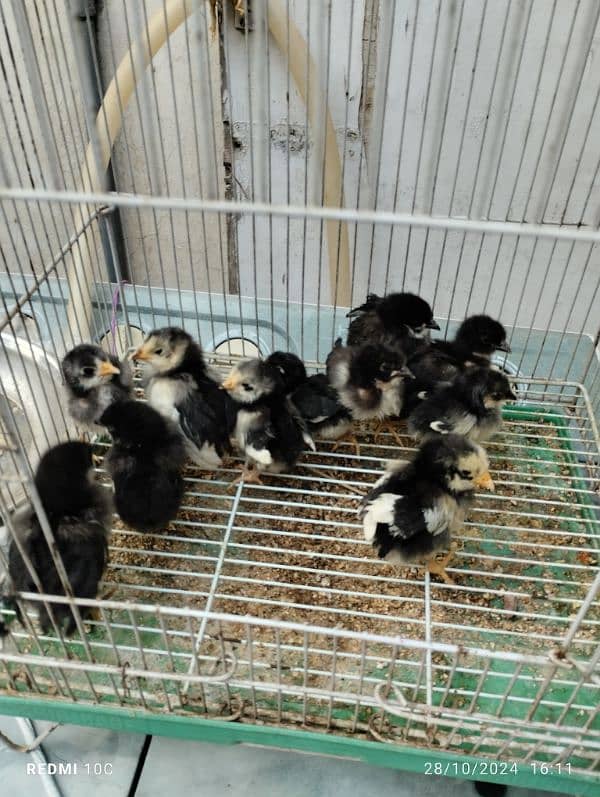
(250, 171)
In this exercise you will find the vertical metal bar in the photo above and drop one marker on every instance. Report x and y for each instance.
(224, 658)
(31, 139)
(194, 666)
(145, 122)
(343, 177)
(442, 132)
(215, 581)
(136, 212)
(422, 136)
(309, 89)
(111, 639)
(288, 194)
(278, 665)
(227, 12)
(384, 62)
(361, 160)
(92, 251)
(253, 169)
(428, 639)
(332, 688)
(167, 646)
(359, 688)
(196, 131)
(40, 99)
(250, 644)
(161, 139)
(392, 230)
(269, 175)
(181, 166)
(455, 179)
(304, 676)
(323, 173)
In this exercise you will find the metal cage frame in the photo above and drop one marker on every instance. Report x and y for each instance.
(261, 615)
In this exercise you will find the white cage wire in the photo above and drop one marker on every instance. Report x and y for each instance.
(270, 163)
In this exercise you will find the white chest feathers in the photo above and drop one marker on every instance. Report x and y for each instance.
(163, 395)
(246, 420)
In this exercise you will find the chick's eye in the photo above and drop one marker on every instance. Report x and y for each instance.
(89, 371)
(158, 351)
(464, 474)
(246, 386)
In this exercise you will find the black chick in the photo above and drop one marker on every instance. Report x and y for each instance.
(145, 462)
(399, 320)
(313, 396)
(269, 429)
(290, 366)
(368, 379)
(79, 512)
(471, 406)
(476, 340)
(415, 507)
(179, 386)
(94, 380)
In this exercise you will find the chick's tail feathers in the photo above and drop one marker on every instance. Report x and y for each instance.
(376, 511)
(309, 442)
(372, 301)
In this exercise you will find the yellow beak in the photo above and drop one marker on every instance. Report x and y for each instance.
(229, 384)
(107, 368)
(484, 482)
(140, 354)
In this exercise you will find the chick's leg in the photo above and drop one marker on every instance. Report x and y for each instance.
(249, 475)
(347, 437)
(438, 566)
(387, 424)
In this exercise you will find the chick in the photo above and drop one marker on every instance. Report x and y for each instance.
(269, 429)
(415, 508)
(399, 320)
(476, 340)
(315, 399)
(180, 387)
(145, 462)
(94, 380)
(292, 369)
(79, 512)
(368, 379)
(471, 405)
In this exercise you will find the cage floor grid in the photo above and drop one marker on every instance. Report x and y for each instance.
(292, 549)
(290, 555)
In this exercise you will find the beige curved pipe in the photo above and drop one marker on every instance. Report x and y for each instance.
(110, 118)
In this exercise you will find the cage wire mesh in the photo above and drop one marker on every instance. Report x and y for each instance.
(249, 171)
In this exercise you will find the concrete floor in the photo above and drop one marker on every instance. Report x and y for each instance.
(174, 767)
